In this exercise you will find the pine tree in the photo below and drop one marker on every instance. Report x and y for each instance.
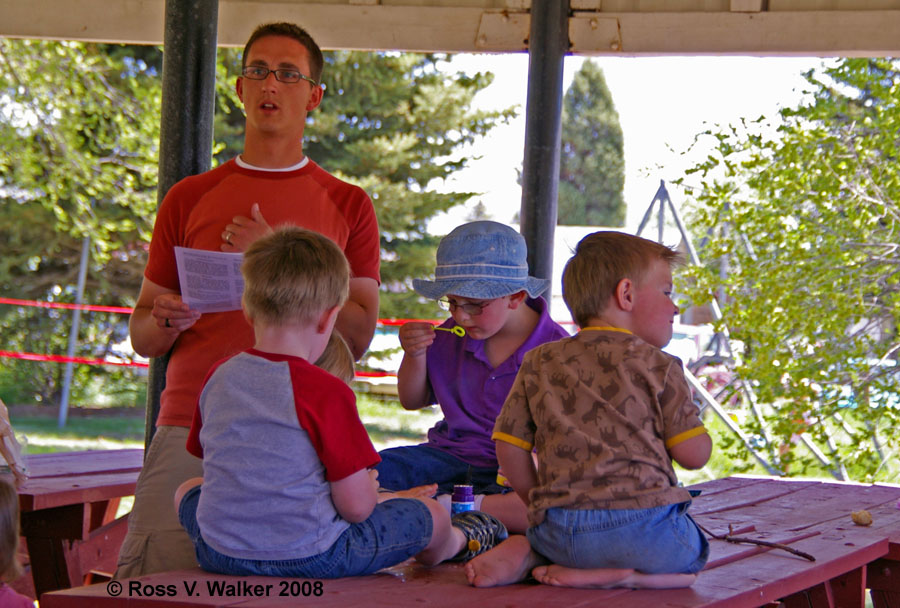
(392, 123)
(591, 163)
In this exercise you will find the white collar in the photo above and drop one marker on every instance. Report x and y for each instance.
(242, 163)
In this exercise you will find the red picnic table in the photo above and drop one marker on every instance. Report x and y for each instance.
(68, 510)
(811, 517)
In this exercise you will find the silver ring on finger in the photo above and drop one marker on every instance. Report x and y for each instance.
(167, 322)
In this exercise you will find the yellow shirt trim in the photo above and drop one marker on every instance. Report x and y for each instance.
(498, 436)
(605, 328)
(682, 437)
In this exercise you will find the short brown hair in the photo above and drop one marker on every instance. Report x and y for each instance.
(10, 569)
(601, 260)
(293, 275)
(289, 30)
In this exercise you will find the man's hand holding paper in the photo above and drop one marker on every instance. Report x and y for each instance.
(210, 281)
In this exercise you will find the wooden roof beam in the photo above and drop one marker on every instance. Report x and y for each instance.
(596, 27)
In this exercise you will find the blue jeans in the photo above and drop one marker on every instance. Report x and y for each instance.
(417, 465)
(395, 531)
(653, 541)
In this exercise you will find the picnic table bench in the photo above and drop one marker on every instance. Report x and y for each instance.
(809, 516)
(68, 509)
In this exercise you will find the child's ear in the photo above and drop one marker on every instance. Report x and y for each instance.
(516, 299)
(624, 295)
(247, 316)
(327, 320)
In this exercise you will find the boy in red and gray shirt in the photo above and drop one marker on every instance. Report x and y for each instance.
(288, 486)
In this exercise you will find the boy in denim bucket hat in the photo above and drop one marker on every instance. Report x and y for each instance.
(482, 260)
(482, 277)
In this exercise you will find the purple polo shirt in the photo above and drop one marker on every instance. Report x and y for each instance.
(471, 392)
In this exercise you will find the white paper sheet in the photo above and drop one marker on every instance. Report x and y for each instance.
(210, 281)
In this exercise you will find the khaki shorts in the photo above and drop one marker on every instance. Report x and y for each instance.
(155, 541)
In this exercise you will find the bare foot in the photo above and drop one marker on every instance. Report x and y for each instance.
(509, 562)
(604, 578)
(417, 492)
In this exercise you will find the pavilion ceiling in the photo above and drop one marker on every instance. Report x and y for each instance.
(596, 27)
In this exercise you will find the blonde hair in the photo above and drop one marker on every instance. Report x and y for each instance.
(337, 359)
(601, 260)
(10, 569)
(292, 276)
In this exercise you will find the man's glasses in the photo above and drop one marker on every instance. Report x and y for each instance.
(473, 309)
(258, 72)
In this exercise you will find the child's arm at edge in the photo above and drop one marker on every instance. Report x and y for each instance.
(412, 377)
(518, 467)
(692, 453)
(355, 496)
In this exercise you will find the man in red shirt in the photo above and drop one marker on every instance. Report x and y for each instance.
(271, 183)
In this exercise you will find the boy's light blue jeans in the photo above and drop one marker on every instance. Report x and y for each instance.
(396, 530)
(661, 540)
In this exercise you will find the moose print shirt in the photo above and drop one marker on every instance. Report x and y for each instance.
(601, 407)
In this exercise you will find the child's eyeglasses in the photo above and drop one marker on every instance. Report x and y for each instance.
(473, 309)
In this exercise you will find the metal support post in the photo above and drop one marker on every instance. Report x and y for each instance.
(548, 45)
(188, 106)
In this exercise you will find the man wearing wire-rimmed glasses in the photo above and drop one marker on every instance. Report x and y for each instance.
(270, 183)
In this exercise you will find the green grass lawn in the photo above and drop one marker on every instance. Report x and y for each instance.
(42, 433)
(390, 425)
(387, 422)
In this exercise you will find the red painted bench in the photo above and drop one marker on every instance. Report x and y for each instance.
(809, 516)
(68, 513)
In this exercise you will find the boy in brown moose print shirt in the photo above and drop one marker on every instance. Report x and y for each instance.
(607, 411)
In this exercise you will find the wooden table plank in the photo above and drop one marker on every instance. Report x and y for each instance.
(727, 484)
(819, 505)
(804, 507)
(810, 516)
(60, 464)
(405, 585)
(771, 575)
(883, 576)
(825, 502)
(746, 493)
(49, 492)
(68, 505)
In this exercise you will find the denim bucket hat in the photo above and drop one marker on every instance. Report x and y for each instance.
(481, 260)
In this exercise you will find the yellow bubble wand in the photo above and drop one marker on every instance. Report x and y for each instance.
(457, 330)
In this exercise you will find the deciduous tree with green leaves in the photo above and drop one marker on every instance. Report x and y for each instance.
(806, 210)
(591, 160)
(79, 126)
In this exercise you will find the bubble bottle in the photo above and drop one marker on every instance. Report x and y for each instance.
(463, 499)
